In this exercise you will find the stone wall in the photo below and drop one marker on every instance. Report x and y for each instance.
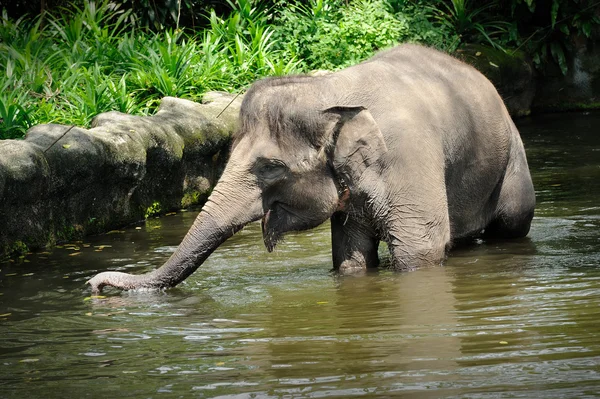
(63, 182)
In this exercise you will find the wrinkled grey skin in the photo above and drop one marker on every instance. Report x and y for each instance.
(411, 147)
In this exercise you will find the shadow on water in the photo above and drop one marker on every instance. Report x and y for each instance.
(501, 319)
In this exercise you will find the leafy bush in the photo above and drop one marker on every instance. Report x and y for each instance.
(546, 29)
(325, 34)
(95, 56)
(90, 59)
(472, 23)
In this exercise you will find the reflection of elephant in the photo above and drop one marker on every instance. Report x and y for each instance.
(411, 147)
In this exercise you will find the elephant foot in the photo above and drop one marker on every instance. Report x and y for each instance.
(352, 268)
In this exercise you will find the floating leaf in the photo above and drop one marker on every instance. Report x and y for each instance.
(503, 343)
(66, 146)
(171, 214)
(494, 65)
(10, 274)
(110, 330)
(5, 314)
(89, 298)
(220, 363)
(29, 360)
(116, 232)
(322, 303)
(138, 228)
(75, 254)
(88, 314)
(478, 53)
(28, 274)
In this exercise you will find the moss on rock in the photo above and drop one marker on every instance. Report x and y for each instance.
(63, 182)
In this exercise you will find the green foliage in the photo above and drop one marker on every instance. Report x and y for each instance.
(153, 210)
(325, 34)
(91, 59)
(14, 112)
(548, 32)
(472, 24)
(96, 56)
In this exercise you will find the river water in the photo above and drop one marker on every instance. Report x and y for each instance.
(501, 319)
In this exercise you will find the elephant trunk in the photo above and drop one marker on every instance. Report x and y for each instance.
(229, 208)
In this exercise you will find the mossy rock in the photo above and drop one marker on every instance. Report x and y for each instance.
(64, 182)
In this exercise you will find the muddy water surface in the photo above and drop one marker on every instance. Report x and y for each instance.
(500, 319)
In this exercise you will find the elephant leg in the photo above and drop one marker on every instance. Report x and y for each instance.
(418, 234)
(515, 206)
(354, 245)
(514, 212)
(409, 254)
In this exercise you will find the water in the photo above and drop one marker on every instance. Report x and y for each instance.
(517, 319)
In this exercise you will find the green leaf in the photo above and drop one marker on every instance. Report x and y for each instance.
(586, 28)
(531, 5)
(559, 56)
(554, 12)
(9, 68)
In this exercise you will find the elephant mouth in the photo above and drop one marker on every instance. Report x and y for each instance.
(270, 237)
(276, 220)
(281, 218)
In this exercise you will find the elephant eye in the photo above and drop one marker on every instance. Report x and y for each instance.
(271, 169)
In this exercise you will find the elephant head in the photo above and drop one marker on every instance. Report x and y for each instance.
(293, 162)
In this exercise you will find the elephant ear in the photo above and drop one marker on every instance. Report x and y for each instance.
(357, 140)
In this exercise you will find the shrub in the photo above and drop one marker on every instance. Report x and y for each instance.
(327, 35)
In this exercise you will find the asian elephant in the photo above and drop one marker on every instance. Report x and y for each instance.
(412, 147)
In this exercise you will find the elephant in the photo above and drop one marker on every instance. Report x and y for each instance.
(411, 147)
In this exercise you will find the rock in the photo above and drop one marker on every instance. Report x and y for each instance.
(62, 182)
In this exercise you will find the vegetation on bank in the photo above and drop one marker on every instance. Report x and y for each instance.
(70, 63)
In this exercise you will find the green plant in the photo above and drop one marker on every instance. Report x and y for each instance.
(325, 35)
(423, 25)
(153, 210)
(471, 23)
(15, 116)
(164, 68)
(548, 36)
